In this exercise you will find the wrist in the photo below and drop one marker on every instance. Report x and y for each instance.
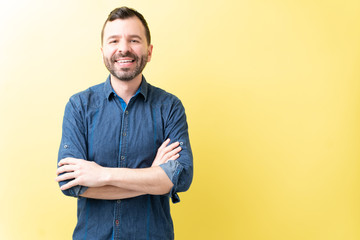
(106, 176)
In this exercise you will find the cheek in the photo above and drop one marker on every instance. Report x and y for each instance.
(139, 50)
(108, 52)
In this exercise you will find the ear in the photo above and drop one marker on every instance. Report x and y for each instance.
(150, 49)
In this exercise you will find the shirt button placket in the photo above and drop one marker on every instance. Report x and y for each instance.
(124, 135)
(117, 220)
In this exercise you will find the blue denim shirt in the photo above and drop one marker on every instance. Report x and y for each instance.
(97, 128)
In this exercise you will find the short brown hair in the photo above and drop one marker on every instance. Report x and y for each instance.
(125, 13)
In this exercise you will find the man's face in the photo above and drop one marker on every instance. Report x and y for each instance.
(125, 49)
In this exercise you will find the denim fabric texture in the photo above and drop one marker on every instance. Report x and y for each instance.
(96, 127)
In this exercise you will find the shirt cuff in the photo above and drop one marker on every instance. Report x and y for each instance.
(82, 189)
(75, 191)
(173, 169)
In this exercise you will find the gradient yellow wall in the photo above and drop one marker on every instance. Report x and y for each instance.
(272, 93)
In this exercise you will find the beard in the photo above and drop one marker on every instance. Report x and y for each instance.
(125, 74)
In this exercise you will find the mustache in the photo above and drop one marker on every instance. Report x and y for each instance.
(127, 54)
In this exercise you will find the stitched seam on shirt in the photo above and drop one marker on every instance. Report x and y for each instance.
(148, 219)
(91, 137)
(154, 128)
(87, 207)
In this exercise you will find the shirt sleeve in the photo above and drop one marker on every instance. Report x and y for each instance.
(73, 141)
(179, 171)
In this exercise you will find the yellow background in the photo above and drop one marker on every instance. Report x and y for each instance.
(272, 93)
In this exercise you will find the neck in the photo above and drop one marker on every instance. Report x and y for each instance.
(126, 89)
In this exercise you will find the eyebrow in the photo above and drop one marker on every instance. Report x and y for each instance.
(135, 36)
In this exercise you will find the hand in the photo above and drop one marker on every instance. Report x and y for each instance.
(80, 172)
(166, 153)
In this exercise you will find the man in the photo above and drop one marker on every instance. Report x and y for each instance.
(125, 147)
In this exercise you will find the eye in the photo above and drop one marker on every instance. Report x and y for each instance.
(113, 41)
(134, 41)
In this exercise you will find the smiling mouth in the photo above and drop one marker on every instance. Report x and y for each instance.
(125, 61)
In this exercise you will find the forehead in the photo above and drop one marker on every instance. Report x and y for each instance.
(123, 27)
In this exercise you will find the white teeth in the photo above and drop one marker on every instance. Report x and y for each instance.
(124, 61)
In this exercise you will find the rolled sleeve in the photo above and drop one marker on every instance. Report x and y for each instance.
(173, 169)
(179, 171)
(73, 143)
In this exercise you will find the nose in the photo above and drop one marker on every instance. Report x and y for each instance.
(123, 47)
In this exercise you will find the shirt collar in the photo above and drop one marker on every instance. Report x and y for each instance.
(143, 89)
(108, 90)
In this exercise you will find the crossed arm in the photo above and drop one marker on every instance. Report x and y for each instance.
(119, 183)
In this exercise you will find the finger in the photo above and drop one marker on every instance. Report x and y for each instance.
(164, 144)
(66, 176)
(176, 156)
(176, 150)
(173, 152)
(65, 168)
(68, 185)
(162, 150)
(171, 146)
(171, 155)
(65, 161)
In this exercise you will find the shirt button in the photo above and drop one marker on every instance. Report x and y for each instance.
(181, 143)
(117, 222)
(122, 157)
(124, 134)
(126, 112)
(66, 146)
(118, 201)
